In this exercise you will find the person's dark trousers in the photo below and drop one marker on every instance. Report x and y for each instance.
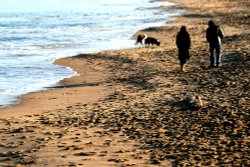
(214, 61)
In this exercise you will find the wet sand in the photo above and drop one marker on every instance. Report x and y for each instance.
(128, 107)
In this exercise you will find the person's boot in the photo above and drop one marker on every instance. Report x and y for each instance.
(211, 61)
(211, 66)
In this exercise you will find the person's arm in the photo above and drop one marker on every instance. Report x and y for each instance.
(207, 35)
(220, 33)
(177, 41)
(189, 42)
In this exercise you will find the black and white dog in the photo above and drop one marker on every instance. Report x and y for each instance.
(141, 39)
(146, 41)
(151, 41)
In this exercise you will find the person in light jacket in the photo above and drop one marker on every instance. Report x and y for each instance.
(214, 35)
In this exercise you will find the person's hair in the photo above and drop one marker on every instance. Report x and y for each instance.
(210, 23)
(183, 28)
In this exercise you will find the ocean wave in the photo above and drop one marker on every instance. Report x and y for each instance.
(34, 33)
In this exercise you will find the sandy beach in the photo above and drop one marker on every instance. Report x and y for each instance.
(128, 108)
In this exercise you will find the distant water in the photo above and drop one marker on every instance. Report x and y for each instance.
(33, 33)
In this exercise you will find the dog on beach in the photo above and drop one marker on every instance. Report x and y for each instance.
(151, 41)
(146, 41)
(140, 39)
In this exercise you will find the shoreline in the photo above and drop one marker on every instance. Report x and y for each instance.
(38, 102)
(138, 116)
(18, 100)
(22, 99)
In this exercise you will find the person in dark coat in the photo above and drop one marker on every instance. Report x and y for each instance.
(214, 35)
(183, 43)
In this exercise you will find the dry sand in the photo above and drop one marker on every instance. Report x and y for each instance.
(127, 107)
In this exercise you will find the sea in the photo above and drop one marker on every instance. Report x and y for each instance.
(33, 33)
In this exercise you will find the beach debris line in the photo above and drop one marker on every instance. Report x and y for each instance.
(194, 102)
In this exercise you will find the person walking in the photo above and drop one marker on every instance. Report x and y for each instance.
(214, 35)
(183, 43)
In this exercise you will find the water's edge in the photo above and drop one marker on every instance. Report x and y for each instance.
(58, 84)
